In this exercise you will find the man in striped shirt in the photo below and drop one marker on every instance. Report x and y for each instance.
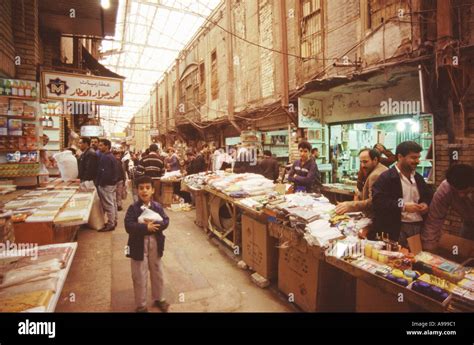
(151, 165)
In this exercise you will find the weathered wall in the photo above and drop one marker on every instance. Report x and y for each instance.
(7, 49)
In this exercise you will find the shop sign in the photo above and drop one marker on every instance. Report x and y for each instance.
(77, 87)
(130, 140)
(310, 112)
(154, 132)
(118, 135)
(92, 131)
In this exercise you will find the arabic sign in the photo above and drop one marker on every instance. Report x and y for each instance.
(77, 87)
(310, 113)
(92, 131)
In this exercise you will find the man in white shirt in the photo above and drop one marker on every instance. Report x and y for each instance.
(401, 197)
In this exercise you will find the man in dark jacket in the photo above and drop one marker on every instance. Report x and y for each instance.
(88, 161)
(401, 197)
(146, 244)
(106, 180)
(303, 171)
(199, 163)
(269, 166)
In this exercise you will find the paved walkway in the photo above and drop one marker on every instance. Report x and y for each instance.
(199, 276)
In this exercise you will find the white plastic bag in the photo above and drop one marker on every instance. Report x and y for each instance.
(67, 165)
(148, 214)
(97, 216)
(87, 186)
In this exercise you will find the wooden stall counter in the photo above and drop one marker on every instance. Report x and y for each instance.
(377, 294)
(49, 228)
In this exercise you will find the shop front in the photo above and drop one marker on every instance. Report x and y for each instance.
(357, 114)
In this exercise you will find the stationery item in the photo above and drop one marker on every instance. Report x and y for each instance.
(375, 253)
(437, 265)
(368, 250)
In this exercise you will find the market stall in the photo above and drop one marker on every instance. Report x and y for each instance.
(194, 184)
(301, 223)
(33, 278)
(396, 281)
(50, 214)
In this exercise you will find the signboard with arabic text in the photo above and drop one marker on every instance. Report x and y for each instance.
(82, 88)
(310, 113)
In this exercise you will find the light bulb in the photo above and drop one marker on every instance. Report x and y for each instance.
(105, 4)
(401, 126)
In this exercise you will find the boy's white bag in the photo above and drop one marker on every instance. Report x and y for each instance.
(148, 214)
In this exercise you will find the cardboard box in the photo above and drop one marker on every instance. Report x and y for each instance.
(17, 107)
(202, 213)
(298, 272)
(259, 250)
(373, 299)
(3, 106)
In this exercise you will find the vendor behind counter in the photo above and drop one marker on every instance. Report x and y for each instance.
(304, 173)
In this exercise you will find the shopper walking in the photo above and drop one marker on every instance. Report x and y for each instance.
(120, 191)
(401, 196)
(200, 164)
(172, 161)
(106, 181)
(88, 161)
(146, 243)
(455, 193)
(151, 165)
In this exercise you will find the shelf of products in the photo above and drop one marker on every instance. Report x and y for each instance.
(19, 132)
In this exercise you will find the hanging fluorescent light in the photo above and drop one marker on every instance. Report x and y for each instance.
(105, 4)
(401, 126)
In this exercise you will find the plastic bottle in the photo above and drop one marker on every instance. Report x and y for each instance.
(14, 89)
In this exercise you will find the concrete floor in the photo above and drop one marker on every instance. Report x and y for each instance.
(199, 276)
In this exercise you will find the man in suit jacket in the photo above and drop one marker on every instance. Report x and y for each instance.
(370, 163)
(401, 197)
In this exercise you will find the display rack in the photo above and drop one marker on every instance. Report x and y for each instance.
(52, 112)
(19, 132)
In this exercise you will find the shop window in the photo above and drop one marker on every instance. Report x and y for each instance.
(311, 32)
(214, 77)
(380, 11)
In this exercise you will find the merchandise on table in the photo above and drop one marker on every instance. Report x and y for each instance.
(171, 176)
(26, 301)
(197, 181)
(437, 265)
(27, 283)
(247, 184)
